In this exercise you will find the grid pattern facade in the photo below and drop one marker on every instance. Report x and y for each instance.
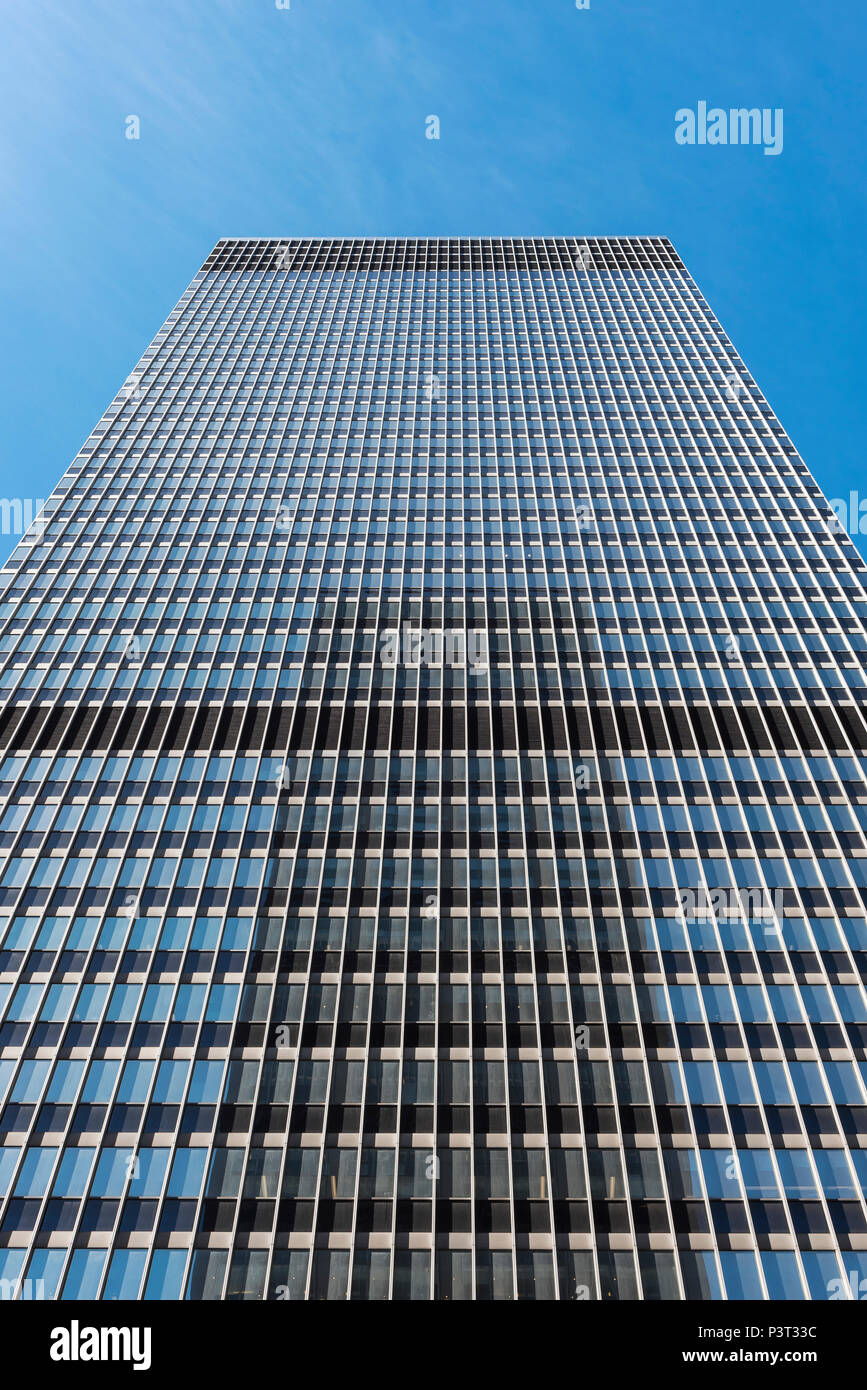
(434, 794)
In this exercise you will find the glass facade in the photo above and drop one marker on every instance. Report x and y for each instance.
(434, 793)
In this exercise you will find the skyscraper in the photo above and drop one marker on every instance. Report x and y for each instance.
(434, 778)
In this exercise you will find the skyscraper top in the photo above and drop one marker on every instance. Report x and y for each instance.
(445, 253)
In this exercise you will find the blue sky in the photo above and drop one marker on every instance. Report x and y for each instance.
(310, 121)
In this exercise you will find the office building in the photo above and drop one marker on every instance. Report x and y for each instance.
(434, 790)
